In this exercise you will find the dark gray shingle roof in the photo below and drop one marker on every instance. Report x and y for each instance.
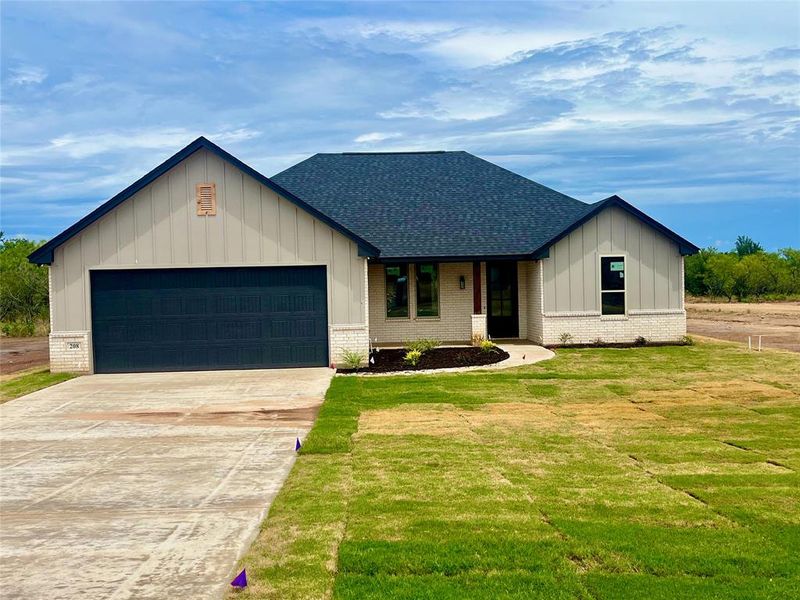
(432, 204)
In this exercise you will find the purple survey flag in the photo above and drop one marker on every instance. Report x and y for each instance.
(240, 581)
(297, 445)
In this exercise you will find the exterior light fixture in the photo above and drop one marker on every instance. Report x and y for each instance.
(462, 283)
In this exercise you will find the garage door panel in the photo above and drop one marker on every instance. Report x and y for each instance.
(192, 319)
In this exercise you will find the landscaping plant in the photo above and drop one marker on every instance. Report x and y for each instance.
(353, 359)
(422, 345)
(412, 358)
(488, 346)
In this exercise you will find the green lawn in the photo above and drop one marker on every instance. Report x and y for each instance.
(604, 473)
(27, 382)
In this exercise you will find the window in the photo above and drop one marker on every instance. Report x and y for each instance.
(427, 290)
(612, 285)
(396, 290)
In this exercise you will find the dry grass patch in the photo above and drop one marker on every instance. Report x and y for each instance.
(744, 391)
(608, 415)
(441, 420)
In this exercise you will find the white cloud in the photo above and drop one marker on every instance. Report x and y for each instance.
(459, 103)
(26, 75)
(81, 146)
(376, 136)
(414, 31)
(486, 46)
(403, 30)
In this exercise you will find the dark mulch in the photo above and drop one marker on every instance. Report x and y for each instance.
(618, 345)
(389, 360)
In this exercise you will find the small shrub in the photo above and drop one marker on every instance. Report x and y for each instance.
(640, 341)
(687, 340)
(598, 341)
(422, 346)
(353, 359)
(412, 358)
(565, 338)
(477, 339)
(488, 346)
(18, 329)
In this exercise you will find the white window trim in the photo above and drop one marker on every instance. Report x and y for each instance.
(600, 289)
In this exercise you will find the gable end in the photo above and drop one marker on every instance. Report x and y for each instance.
(45, 254)
(685, 247)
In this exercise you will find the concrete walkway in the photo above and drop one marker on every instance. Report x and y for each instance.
(520, 353)
(144, 485)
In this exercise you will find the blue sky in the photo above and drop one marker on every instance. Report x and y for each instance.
(689, 110)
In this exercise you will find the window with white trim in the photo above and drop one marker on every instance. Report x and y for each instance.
(612, 285)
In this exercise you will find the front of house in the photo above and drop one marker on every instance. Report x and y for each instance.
(204, 263)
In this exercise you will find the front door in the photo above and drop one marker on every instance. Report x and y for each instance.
(502, 306)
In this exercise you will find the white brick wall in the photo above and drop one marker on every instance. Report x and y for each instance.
(535, 300)
(479, 325)
(585, 328)
(69, 352)
(348, 337)
(454, 323)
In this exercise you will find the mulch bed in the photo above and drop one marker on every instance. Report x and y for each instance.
(389, 360)
(618, 345)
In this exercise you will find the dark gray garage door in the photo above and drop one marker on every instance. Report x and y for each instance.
(198, 319)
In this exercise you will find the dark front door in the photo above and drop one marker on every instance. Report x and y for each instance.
(502, 306)
(209, 318)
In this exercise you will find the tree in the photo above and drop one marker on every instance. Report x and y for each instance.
(695, 269)
(791, 258)
(745, 246)
(23, 286)
(760, 274)
(722, 276)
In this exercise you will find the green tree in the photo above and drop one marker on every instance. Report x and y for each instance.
(746, 246)
(23, 286)
(791, 259)
(722, 275)
(759, 274)
(695, 269)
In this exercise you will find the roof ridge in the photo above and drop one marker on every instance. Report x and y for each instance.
(357, 153)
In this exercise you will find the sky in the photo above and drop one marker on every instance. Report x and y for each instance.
(688, 110)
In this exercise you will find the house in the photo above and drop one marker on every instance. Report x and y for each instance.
(204, 263)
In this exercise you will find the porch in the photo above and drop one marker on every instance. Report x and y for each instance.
(452, 301)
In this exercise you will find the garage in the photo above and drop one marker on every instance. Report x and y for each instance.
(209, 318)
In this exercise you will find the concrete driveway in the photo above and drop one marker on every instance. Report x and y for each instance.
(144, 486)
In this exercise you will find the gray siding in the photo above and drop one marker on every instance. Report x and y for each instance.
(652, 266)
(158, 227)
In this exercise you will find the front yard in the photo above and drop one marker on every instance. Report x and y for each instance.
(603, 473)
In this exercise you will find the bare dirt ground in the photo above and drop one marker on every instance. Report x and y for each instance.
(777, 322)
(20, 354)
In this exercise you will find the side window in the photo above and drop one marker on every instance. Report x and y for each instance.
(612, 285)
(396, 290)
(427, 289)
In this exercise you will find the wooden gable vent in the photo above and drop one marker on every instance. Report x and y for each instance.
(206, 196)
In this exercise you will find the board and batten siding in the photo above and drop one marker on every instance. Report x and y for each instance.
(653, 266)
(159, 227)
